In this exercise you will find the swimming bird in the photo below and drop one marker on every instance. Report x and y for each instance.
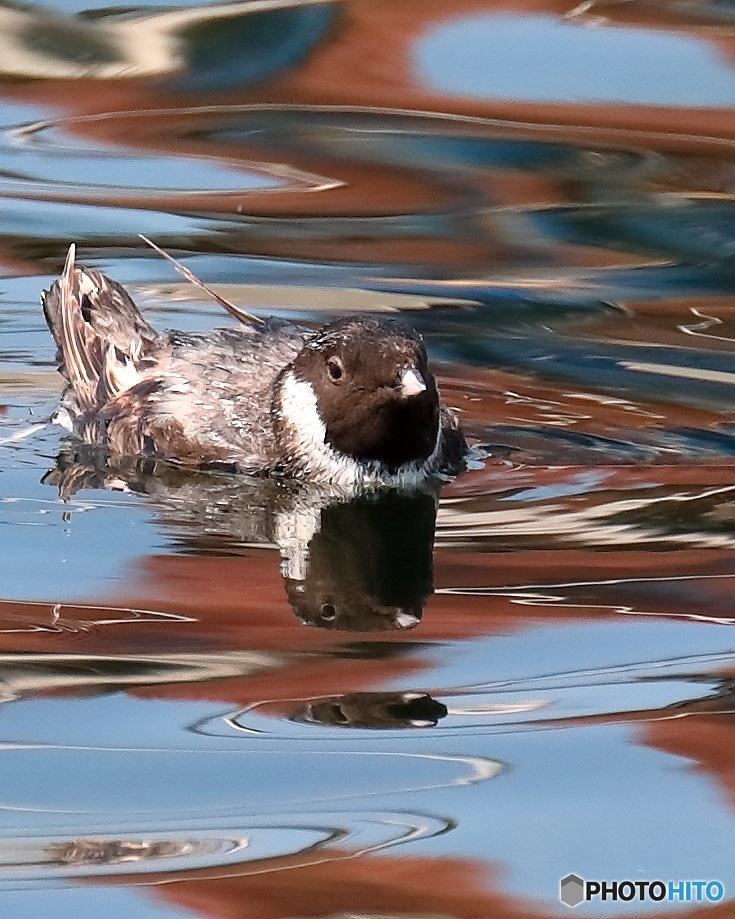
(351, 404)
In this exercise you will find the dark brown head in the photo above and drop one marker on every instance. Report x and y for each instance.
(374, 392)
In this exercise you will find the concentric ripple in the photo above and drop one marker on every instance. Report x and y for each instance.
(256, 846)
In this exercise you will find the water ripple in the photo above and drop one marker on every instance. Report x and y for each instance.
(254, 847)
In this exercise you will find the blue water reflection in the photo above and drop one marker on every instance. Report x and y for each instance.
(68, 903)
(547, 59)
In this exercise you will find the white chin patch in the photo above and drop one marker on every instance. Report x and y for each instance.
(412, 383)
(300, 410)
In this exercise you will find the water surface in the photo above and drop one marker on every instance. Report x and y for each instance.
(224, 697)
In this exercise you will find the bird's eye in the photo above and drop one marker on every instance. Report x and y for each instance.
(329, 612)
(335, 369)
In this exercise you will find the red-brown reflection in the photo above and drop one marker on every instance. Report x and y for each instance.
(399, 888)
(708, 740)
(231, 604)
(366, 61)
(372, 886)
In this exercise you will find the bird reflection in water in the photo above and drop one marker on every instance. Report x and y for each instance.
(374, 710)
(357, 563)
(368, 565)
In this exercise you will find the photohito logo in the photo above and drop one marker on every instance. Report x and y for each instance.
(574, 890)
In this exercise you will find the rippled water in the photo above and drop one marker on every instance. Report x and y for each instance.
(228, 698)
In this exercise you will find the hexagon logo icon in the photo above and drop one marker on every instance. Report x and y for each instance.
(571, 890)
